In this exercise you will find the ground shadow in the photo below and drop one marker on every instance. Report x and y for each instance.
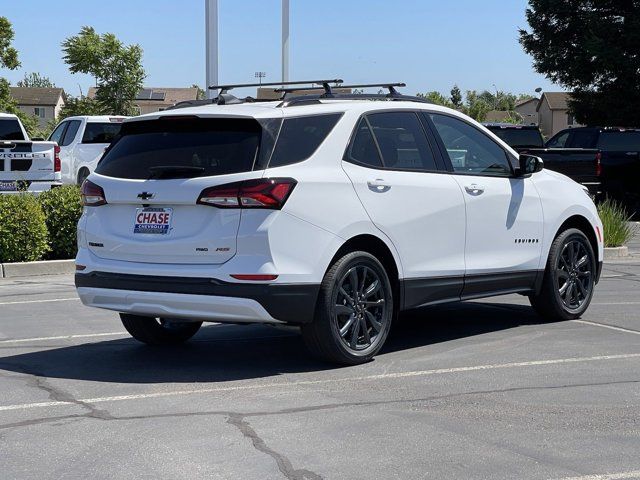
(229, 352)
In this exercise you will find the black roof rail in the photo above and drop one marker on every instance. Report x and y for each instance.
(290, 96)
(226, 88)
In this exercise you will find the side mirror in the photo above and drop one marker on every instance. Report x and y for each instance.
(529, 164)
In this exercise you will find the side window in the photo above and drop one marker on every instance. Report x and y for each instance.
(100, 132)
(402, 141)
(363, 148)
(583, 139)
(70, 134)
(469, 149)
(559, 141)
(300, 137)
(57, 134)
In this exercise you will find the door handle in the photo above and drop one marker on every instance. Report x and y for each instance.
(378, 185)
(474, 189)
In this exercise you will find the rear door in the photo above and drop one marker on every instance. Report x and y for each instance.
(397, 176)
(152, 177)
(504, 214)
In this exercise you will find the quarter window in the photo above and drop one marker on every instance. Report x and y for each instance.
(402, 141)
(300, 137)
(471, 151)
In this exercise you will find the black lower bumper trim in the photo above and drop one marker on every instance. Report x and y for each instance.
(286, 302)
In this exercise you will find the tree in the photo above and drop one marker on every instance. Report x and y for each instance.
(34, 79)
(117, 68)
(593, 49)
(477, 106)
(437, 98)
(456, 97)
(74, 106)
(8, 54)
(201, 92)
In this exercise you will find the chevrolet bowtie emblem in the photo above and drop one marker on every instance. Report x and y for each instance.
(145, 195)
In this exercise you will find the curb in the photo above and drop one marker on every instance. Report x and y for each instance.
(32, 269)
(613, 253)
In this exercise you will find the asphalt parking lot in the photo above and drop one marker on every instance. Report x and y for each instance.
(475, 390)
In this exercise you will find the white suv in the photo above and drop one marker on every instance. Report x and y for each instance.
(327, 211)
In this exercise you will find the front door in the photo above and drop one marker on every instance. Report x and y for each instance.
(504, 213)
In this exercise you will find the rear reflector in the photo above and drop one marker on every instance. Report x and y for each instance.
(255, 278)
(92, 194)
(259, 193)
(80, 267)
(599, 234)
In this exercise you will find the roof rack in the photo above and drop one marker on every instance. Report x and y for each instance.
(226, 88)
(291, 97)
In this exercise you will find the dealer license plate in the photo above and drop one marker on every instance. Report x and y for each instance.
(152, 220)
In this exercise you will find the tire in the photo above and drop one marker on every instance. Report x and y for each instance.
(364, 316)
(569, 278)
(154, 331)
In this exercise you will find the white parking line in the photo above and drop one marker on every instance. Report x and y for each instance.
(610, 327)
(61, 337)
(384, 376)
(40, 301)
(606, 476)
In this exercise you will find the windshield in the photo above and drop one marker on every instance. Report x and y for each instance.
(520, 137)
(182, 147)
(10, 130)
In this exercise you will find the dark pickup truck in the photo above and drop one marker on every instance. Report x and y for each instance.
(605, 160)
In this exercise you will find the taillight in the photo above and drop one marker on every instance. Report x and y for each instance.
(92, 194)
(57, 166)
(598, 164)
(260, 193)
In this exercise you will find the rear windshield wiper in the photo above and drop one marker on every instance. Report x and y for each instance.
(174, 171)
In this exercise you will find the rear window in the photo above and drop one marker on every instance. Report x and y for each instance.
(300, 137)
(10, 130)
(519, 137)
(182, 148)
(619, 141)
(100, 132)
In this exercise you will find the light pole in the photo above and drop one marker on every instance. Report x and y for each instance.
(260, 76)
(285, 40)
(211, 34)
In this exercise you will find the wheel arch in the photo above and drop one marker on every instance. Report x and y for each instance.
(378, 248)
(584, 225)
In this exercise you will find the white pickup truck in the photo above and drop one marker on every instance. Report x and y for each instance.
(25, 165)
(82, 141)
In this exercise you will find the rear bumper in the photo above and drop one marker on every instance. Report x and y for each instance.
(204, 299)
(33, 187)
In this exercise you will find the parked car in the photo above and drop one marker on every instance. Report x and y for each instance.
(618, 161)
(82, 141)
(328, 212)
(25, 165)
(518, 137)
(581, 165)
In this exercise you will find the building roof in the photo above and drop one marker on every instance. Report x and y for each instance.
(37, 95)
(527, 100)
(497, 116)
(556, 100)
(159, 95)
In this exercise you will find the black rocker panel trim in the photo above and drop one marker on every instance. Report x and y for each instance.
(419, 292)
(285, 302)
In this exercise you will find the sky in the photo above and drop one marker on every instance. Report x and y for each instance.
(428, 44)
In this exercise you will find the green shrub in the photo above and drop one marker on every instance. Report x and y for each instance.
(23, 232)
(615, 223)
(62, 209)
